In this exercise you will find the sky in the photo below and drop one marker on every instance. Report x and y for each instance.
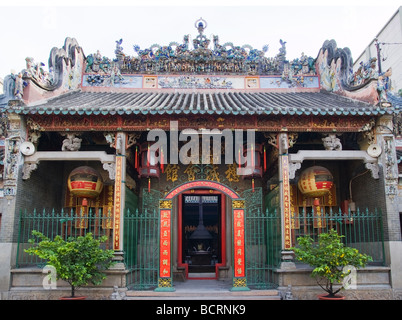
(31, 28)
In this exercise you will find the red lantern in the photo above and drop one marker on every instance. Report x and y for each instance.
(255, 152)
(315, 181)
(85, 182)
(148, 164)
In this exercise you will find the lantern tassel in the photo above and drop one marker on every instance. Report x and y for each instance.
(265, 160)
(252, 184)
(149, 185)
(162, 166)
(136, 157)
(239, 159)
(252, 157)
(148, 156)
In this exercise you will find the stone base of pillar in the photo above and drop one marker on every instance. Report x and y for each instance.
(240, 284)
(287, 260)
(118, 260)
(165, 285)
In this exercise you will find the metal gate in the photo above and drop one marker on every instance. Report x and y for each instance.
(263, 242)
(141, 243)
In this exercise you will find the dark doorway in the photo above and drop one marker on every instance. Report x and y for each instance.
(201, 233)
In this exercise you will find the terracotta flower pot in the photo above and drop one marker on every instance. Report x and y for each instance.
(73, 298)
(325, 296)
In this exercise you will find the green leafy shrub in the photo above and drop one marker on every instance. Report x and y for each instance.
(77, 260)
(328, 257)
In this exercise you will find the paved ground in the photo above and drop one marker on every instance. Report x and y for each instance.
(191, 285)
(204, 290)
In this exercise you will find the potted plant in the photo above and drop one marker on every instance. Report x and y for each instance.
(77, 260)
(329, 257)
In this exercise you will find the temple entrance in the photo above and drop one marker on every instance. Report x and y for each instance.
(201, 233)
(215, 193)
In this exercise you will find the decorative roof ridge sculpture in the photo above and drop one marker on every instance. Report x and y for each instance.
(178, 58)
(64, 74)
(335, 66)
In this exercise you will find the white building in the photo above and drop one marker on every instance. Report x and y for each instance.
(389, 39)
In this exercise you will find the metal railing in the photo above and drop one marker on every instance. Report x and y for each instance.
(141, 248)
(362, 229)
(263, 248)
(66, 223)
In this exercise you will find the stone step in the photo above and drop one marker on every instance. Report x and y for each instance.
(192, 289)
(204, 295)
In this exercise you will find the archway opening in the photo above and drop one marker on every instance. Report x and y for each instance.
(202, 233)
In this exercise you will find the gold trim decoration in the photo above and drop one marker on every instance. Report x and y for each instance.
(165, 282)
(231, 173)
(165, 204)
(239, 282)
(238, 204)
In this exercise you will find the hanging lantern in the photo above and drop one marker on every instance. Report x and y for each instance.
(148, 163)
(315, 181)
(255, 153)
(85, 182)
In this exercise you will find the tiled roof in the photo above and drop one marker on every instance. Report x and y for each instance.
(225, 102)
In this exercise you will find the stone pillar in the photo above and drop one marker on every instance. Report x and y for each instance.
(119, 199)
(389, 166)
(284, 195)
(16, 134)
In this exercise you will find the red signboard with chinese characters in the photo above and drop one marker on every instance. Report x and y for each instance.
(238, 229)
(286, 201)
(164, 253)
(117, 203)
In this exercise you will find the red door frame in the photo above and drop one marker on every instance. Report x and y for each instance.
(223, 231)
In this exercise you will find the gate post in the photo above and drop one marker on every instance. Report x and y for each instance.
(165, 282)
(239, 254)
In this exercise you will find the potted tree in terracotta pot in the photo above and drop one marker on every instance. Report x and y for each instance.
(77, 260)
(329, 257)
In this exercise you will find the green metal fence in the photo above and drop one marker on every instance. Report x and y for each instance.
(263, 248)
(263, 242)
(141, 248)
(65, 223)
(362, 229)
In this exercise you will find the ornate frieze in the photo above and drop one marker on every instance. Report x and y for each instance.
(133, 122)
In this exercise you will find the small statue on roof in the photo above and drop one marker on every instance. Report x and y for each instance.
(19, 86)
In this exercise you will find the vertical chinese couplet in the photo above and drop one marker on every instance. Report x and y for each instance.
(117, 203)
(164, 253)
(286, 201)
(238, 229)
(165, 246)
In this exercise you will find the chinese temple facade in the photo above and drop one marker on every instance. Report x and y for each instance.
(201, 161)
